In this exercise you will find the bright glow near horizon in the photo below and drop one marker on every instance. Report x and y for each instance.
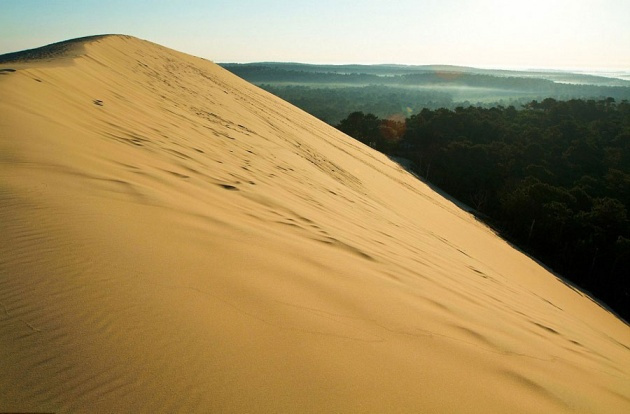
(570, 34)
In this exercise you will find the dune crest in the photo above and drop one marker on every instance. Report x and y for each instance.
(176, 239)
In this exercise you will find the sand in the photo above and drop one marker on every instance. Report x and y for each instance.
(174, 239)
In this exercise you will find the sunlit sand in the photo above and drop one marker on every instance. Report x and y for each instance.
(174, 239)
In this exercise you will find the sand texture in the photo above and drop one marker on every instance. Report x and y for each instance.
(174, 239)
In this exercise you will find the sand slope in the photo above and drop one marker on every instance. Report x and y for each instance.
(174, 239)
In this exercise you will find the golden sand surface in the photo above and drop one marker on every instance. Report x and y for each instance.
(175, 239)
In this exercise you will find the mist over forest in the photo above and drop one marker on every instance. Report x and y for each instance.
(331, 92)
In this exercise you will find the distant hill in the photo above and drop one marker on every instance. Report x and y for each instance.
(390, 73)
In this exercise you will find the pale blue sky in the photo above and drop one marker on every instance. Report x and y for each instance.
(587, 34)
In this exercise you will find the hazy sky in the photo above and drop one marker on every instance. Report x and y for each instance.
(588, 34)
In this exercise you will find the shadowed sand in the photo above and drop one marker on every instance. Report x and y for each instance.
(174, 239)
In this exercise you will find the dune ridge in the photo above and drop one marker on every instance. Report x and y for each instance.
(176, 239)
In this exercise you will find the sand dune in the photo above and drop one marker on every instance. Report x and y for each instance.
(174, 239)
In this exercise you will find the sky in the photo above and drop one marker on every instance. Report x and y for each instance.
(561, 34)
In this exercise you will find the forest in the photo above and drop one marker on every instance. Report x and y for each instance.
(331, 92)
(552, 177)
(331, 105)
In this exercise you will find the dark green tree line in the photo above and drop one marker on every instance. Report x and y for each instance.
(553, 177)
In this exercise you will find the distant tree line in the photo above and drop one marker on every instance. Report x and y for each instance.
(282, 73)
(553, 177)
(332, 104)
